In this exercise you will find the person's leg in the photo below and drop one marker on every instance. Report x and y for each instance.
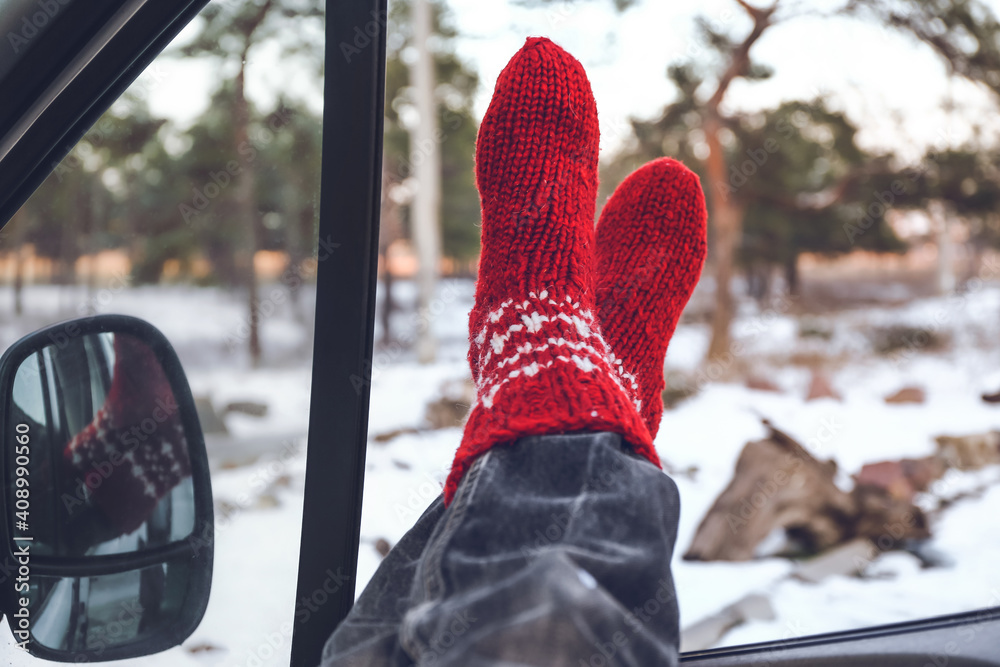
(538, 359)
(555, 551)
(369, 636)
(557, 543)
(651, 246)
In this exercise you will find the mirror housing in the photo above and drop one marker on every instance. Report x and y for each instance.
(107, 529)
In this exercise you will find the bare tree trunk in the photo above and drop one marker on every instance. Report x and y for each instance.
(975, 252)
(389, 232)
(792, 282)
(18, 281)
(97, 210)
(728, 219)
(15, 242)
(295, 248)
(727, 214)
(945, 247)
(246, 205)
(71, 244)
(426, 159)
(388, 305)
(246, 189)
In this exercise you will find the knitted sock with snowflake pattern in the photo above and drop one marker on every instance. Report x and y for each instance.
(134, 451)
(650, 251)
(539, 361)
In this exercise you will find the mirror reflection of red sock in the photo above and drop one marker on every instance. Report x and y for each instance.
(650, 251)
(134, 451)
(539, 361)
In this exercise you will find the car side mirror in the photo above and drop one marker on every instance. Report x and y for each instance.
(106, 532)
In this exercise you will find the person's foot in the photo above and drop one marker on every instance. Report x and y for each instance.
(650, 250)
(539, 361)
(134, 451)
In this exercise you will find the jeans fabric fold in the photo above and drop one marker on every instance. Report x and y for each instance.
(555, 552)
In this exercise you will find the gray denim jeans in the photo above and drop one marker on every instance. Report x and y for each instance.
(555, 552)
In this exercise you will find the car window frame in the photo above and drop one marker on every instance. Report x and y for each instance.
(85, 81)
(82, 84)
(346, 280)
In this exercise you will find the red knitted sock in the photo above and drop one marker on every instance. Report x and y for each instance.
(650, 251)
(537, 356)
(134, 451)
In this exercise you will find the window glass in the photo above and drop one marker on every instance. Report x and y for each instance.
(865, 295)
(193, 204)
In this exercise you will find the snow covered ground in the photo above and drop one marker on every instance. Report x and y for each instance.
(258, 502)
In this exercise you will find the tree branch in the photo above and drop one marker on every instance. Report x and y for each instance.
(253, 25)
(740, 58)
